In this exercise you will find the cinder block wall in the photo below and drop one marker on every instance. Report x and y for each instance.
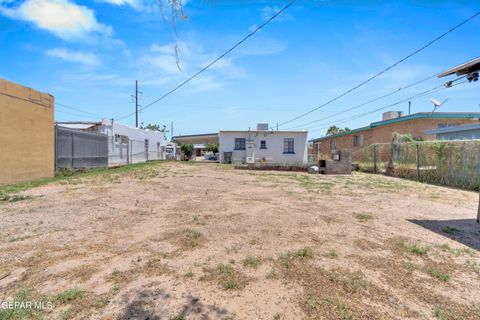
(26, 134)
(383, 134)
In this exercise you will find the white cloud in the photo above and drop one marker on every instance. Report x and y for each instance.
(136, 4)
(150, 6)
(86, 58)
(268, 12)
(63, 18)
(159, 65)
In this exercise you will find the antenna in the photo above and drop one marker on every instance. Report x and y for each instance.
(436, 103)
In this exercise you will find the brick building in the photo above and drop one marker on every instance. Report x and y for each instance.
(381, 131)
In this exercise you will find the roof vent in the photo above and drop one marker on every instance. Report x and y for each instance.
(262, 126)
(392, 115)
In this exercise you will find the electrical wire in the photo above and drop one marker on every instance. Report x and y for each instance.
(78, 109)
(212, 62)
(75, 114)
(384, 70)
(362, 104)
(419, 95)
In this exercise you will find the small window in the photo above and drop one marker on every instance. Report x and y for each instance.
(263, 144)
(358, 141)
(333, 145)
(121, 139)
(447, 125)
(288, 145)
(239, 143)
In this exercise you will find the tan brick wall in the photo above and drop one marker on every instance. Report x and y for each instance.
(383, 134)
(26, 134)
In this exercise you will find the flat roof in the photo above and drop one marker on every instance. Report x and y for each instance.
(420, 115)
(265, 131)
(79, 126)
(201, 138)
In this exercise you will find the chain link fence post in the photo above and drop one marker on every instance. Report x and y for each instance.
(417, 160)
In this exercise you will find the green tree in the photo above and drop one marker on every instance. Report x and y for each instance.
(407, 137)
(155, 127)
(335, 130)
(211, 147)
(187, 150)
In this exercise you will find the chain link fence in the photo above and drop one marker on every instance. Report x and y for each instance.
(123, 151)
(76, 149)
(450, 163)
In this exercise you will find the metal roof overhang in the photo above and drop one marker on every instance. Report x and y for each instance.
(197, 138)
(465, 68)
(454, 129)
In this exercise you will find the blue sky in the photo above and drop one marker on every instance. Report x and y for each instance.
(88, 54)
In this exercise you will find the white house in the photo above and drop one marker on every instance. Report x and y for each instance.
(126, 144)
(263, 146)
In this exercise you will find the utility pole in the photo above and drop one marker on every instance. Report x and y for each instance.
(277, 125)
(409, 105)
(136, 103)
(171, 131)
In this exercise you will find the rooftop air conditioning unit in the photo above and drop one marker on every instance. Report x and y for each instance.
(262, 127)
(392, 115)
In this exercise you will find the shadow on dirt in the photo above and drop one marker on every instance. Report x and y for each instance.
(465, 231)
(153, 305)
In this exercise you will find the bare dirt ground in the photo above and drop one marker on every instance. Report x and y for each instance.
(204, 241)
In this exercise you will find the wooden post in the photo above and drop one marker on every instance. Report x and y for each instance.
(478, 212)
(374, 158)
(417, 160)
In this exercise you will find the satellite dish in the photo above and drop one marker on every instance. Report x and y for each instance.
(436, 103)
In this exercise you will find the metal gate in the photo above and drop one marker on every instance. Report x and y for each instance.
(75, 149)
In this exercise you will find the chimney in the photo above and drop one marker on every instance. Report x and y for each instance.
(392, 115)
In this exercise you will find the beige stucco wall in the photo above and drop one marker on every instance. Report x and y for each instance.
(26, 133)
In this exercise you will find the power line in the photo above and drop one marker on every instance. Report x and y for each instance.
(77, 109)
(384, 70)
(214, 61)
(75, 114)
(365, 103)
(40, 103)
(419, 95)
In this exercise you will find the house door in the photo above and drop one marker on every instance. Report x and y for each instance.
(250, 152)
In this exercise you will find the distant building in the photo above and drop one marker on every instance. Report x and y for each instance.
(465, 132)
(263, 146)
(27, 133)
(381, 132)
(255, 146)
(126, 144)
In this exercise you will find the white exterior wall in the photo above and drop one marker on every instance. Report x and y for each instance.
(118, 152)
(274, 140)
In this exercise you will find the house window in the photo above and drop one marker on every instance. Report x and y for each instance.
(239, 143)
(333, 145)
(358, 141)
(121, 139)
(288, 145)
(447, 125)
(263, 144)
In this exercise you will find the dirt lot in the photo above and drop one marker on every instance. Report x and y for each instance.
(204, 241)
